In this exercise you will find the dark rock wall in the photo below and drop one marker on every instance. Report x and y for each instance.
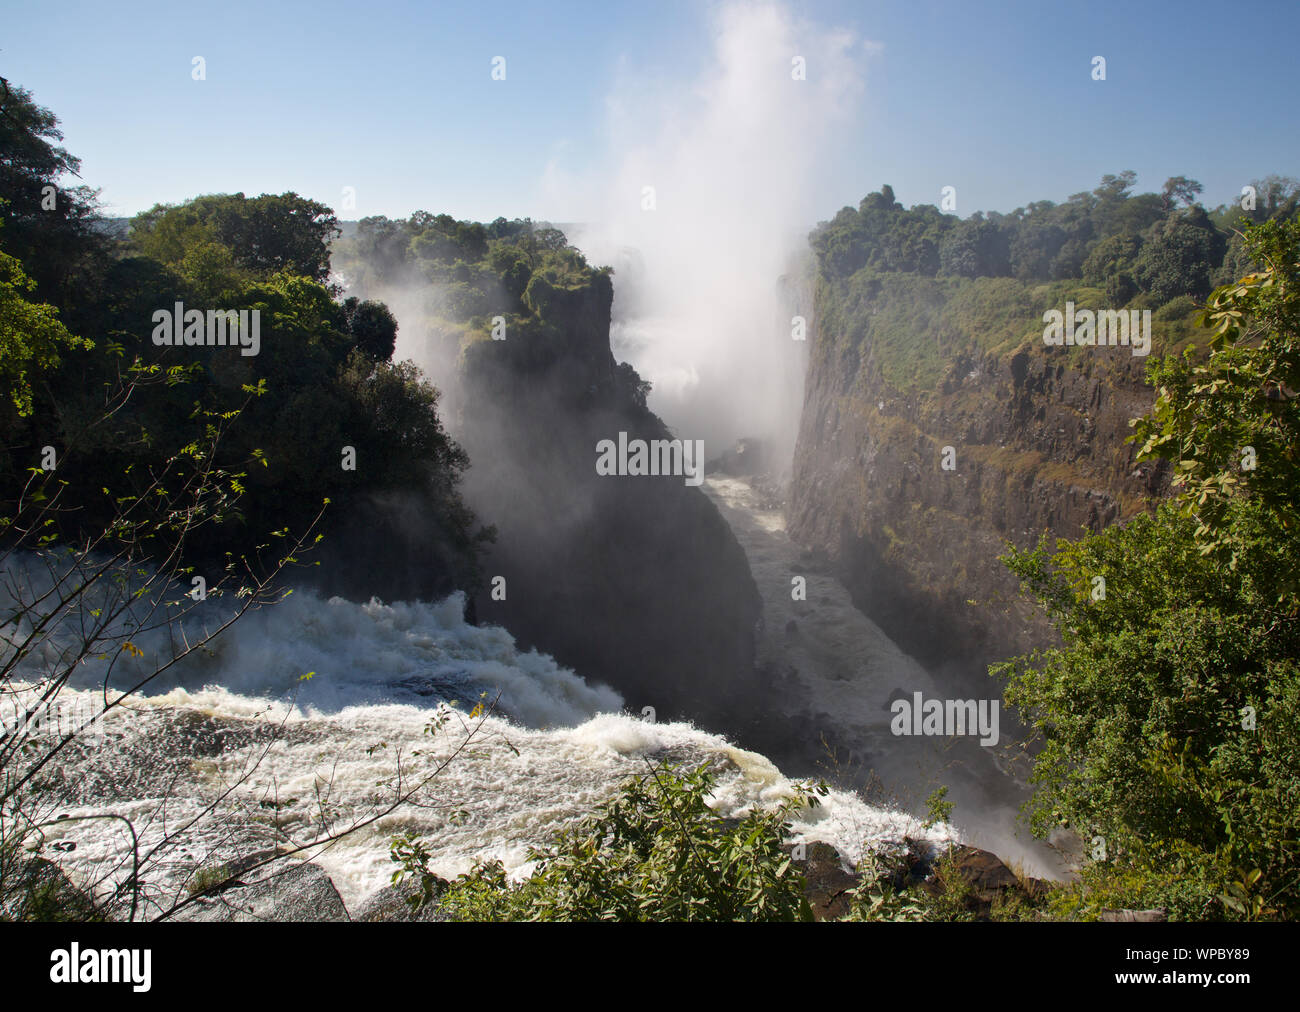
(1040, 446)
(633, 581)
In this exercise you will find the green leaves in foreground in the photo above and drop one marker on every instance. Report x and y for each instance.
(655, 852)
(1170, 715)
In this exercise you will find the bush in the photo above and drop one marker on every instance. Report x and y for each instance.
(1170, 717)
(656, 852)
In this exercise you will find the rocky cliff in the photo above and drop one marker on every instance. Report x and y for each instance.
(635, 581)
(1038, 442)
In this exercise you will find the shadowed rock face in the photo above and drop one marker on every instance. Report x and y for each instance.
(1039, 441)
(634, 581)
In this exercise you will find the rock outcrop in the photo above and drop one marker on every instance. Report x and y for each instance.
(635, 581)
(282, 890)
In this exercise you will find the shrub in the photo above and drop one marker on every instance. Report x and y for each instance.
(656, 852)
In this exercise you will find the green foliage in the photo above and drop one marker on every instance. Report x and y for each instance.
(208, 877)
(1113, 256)
(116, 408)
(1179, 255)
(975, 248)
(1231, 424)
(373, 327)
(913, 328)
(31, 335)
(887, 275)
(52, 229)
(884, 892)
(525, 273)
(265, 235)
(656, 852)
(1144, 711)
(938, 808)
(1277, 198)
(1191, 894)
(1170, 717)
(893, 886)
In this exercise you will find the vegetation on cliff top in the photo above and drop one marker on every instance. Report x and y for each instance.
(917, 286)
(467, 282)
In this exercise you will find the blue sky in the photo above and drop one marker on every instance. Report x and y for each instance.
(396, 99)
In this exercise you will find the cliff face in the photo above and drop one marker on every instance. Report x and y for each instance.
(1039, 439)
(634, 581)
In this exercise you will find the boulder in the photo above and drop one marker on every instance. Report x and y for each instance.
(827, 878)
(281, 891)
(390, 904)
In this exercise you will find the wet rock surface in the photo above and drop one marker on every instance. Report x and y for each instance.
(1040, 446)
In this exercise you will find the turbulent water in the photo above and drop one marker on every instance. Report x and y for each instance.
(235, 753)
(836, 673)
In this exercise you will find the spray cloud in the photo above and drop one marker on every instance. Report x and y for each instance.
(704, 215)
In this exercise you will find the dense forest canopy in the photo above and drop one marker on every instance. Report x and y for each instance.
(921, 287)
(84, 374)
(1163, 244)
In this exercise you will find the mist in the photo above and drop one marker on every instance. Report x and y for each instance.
(710, 263)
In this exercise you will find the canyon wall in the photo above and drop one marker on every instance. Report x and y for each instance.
(1038, 435)
(634, 581)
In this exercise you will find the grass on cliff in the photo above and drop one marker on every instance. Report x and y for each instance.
(913, 328)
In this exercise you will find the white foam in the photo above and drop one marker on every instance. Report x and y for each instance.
(381, 672)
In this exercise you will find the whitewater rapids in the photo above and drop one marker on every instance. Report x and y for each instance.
(837, 674)
(236, 753)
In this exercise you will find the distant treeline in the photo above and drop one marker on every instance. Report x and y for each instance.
(920, 286)
(1164, 244)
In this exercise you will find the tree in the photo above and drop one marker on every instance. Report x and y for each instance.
(913, 240)
(1114, 189)
(31, 335)
(1245, 395)
(1276, 197)
(49, 227)
(1116, 254)
(975, 248)
(268, 234)
(374, 327)
(1035, 245)
(1109, 202)
(1179, 189)
(1179, 256)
